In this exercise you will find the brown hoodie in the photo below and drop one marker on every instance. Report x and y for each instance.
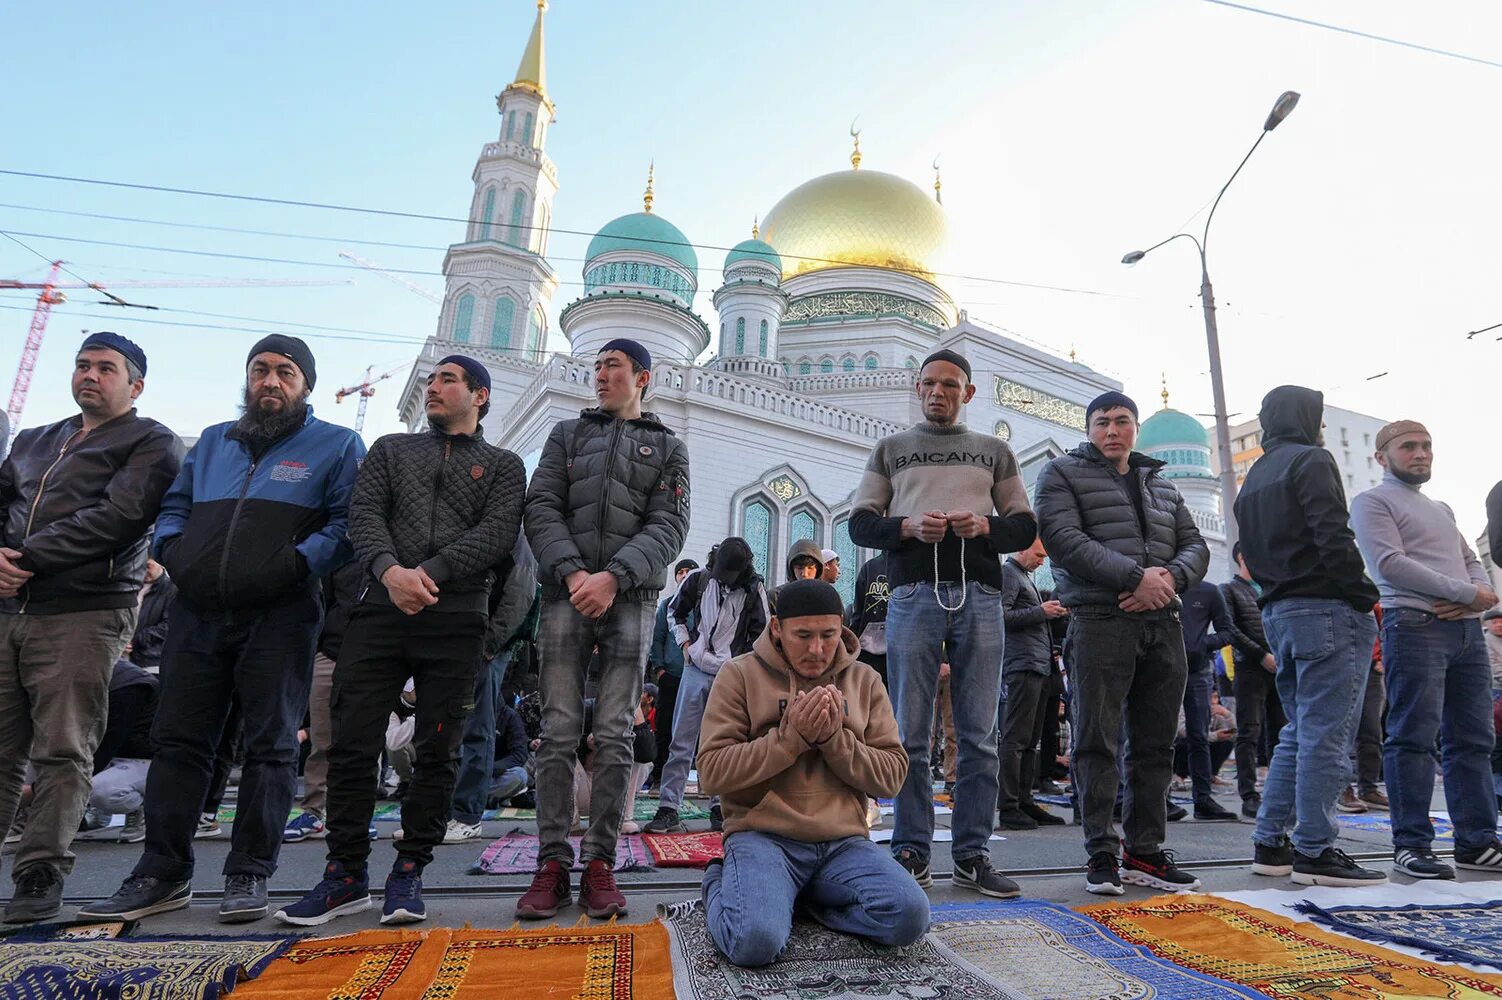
(768, 777)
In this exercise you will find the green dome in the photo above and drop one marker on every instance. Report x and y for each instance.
(644, 232)
(1169, 427)
(753, 250)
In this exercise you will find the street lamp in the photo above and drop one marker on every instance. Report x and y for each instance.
(1282, 108)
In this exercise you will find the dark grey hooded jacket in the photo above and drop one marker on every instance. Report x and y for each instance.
(610, 495)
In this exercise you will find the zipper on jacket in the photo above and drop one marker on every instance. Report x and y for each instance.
(37, 500)
(615, 440)
(229, 535)
(448, 447)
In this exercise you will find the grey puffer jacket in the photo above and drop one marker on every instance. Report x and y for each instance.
(1088, 523)
(610, 495)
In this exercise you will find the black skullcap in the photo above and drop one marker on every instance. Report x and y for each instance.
(632, 350)
(1108, 400)
(288, 347)
(803, 598)
(476, 370)
(958, 360)
(127, 349)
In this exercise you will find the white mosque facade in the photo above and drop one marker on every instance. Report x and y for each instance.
(821, 320)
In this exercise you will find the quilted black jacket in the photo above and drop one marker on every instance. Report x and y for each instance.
(1029, 645)
(450, 503)
(611, 495)
(1248, 638)
(1089, 525)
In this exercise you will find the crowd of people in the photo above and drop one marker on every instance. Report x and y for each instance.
(280, 600)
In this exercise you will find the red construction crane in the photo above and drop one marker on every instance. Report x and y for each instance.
(49, 294)
(366, 389)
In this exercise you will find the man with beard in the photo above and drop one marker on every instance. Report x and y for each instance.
(257, 515)
(1439, 681)
(77, 499)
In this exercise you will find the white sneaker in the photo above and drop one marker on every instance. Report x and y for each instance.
(458, 833)
(630, 826)
(208, 827)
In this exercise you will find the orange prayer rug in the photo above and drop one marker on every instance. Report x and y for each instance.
(609, 962)
(1283, 959)
(684, 850)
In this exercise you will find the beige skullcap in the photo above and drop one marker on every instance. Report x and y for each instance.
(1397, 429)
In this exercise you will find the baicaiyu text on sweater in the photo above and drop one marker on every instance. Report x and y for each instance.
(949, 468)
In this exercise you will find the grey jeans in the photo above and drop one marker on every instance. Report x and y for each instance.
(688, 716)
(54, 699)
(565, 642)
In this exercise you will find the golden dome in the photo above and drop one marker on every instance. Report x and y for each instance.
(861, 218)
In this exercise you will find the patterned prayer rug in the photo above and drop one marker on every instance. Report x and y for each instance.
(819, 964)
(363, 966)
(1451, 932)
(384, 812)
(1278, 957)
(1381, 823)
(143, 968)
(684, 850)
(1048, 952)
(645, 810)
(516, 854)
(71, 930)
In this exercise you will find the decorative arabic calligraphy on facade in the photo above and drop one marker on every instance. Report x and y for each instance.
(1039, 404)
(784, 489)
(835, 304)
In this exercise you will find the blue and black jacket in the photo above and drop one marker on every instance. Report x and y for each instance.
(246, 529)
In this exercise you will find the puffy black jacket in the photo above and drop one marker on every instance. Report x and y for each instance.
(79, 510)
(610, 495)
(1295, 528)
(1248, 637)
(1029, 645)
(450, 503)
(342, 590)
(151, 623)
(1088, 523)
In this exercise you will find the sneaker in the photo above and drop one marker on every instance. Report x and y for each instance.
(550, 889)
(374, 833)
(339, 893)
(1040, 815)
(244, 898)
(208, 827)
(1015, 819)
(134, 830)
(716, 818)
(1251, 805)
(915, 866)
(1349, 802)
(1050, 788)
(1103, 875)
(1374, 799)
(666, 821)
(1157, 871)
(597, 892)
(1421, 862)
(459, 832)
(93, 833)
(1276, 861)
(976, 873)
(38, 895)
(629, 826)
(1486, 858)
(1211, 811)
(1333, 867)
(403, 901)
(140, 896)
(1176, 812)
(307, 826)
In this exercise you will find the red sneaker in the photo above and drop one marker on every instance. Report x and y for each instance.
(550, 889)
(597, 892)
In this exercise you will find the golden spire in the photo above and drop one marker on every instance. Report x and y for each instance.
(938, 185)
(1164, 393)
(855, 155)
(1072, 355)
(532, 74)
(755, 228)
(646, 199)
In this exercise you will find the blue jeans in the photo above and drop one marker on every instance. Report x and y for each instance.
(477, 748)
(1439, 684)
(918, 632)
(849, 885)
(1324, 653)
(688, 716)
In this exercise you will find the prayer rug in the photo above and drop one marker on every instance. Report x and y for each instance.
(645, 810)
(1055, 800)
(1278, 957)
(1048, 952)
(1451, 932)
(1381, 823)
(384, 812)
(684, 850)
(819, 964)
(143, 968)
(363, 966)
(516, 854)
(70, 930)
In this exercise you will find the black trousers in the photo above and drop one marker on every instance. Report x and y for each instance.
(442, 653)
(1050, 769)
(667, 700)
(1258, 708)
(1028, 696)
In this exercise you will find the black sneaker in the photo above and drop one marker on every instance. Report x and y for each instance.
(1213, 812)
(1156, 871)
(978, 874)
(1276, 861)
(666, 821)
(1040, 815)
(140, 896)
(1333, 867)
(1421, 862)
(1176, 812)
(915, 866)
(1103, 875)
(39, 895)
(244, 898)
(1015, 819)
(716, 817)
(1487, 858)
(1251, 805)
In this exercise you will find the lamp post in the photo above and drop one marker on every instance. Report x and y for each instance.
(1281, 110)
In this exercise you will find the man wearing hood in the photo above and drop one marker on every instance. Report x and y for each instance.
(728, 606)
(798, 734)
(1439, 681)
(1317, 612)
(1124, 547)
(805, 560)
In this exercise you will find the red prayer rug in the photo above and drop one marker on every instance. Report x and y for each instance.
(684, 850)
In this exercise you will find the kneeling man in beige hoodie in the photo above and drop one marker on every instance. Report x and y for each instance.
(797, 735)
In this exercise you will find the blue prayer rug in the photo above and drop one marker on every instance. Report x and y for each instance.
(140, 968)
(1450, 932)
(1381, 822)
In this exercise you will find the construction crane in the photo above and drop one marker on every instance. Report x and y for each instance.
(50, 293)
(366, 389)
(371, 265)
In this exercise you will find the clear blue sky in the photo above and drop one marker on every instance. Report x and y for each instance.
(1358, 241)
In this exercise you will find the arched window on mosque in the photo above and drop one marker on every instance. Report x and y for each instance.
(510, 126)
(761, 341)
(518, 218)
(803, 525)
(805, 367)
(740, 336)
(487, 213)
(501, 322)
(756, 529)
(871, 363)
(534, 331)
(464, 314)
(849, 560)
(826, 367)
(912, 362)
(848, 364)
(527, 136)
